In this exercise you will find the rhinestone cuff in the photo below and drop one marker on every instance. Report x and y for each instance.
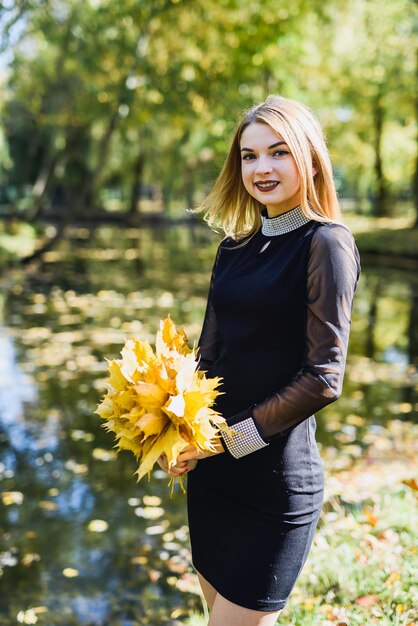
(245, 441)
(284, 223)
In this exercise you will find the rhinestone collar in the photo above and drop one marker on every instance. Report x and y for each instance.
(283, 223)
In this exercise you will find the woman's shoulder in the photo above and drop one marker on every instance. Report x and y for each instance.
(330, 233)
(229, 243)
(333, 243)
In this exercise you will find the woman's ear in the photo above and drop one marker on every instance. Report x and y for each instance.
(314, 169)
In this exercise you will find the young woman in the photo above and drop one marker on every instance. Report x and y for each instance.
(276, 330)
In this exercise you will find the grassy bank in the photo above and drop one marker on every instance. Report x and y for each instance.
(393, 237)
(362, 567)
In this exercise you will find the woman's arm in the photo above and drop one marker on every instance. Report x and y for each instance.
(208, 343)
(333, 272)
(209, 338)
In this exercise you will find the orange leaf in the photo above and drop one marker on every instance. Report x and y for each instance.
(368, 601)
(371, 518)
(411, 482)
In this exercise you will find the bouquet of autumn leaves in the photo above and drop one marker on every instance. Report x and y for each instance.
(159, 402)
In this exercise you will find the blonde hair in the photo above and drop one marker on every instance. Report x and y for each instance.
(230, 206)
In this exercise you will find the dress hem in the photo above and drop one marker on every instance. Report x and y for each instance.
(259, 605)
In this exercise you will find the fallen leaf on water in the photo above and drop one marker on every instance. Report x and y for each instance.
(11, 497)
(31, 534)
(156, 530)
(139, 560)
(154, 575)
(152, 500)
(70, 572)
(177, 564)
(27, 617)
(150, 512)
(48, 506)
(100, 454)
(76, 468)
(98, 526)
(81, 435)
(30, 558)
(187, 583)
(30, 616)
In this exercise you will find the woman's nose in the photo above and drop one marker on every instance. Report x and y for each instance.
(263, 165)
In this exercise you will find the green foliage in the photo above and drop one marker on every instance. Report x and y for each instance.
(113, 95)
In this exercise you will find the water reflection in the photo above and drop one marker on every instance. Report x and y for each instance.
(82, 542)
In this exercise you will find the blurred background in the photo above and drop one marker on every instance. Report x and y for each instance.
(115, 119)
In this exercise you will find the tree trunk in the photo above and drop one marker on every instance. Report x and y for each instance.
(415, 181)
(85, 198)
(137, 182)
(189, 187)
(51, 159)
(380, 208)
(409, 392)
(370, 345)
(166, 192)
(42, 183)
(413, 327)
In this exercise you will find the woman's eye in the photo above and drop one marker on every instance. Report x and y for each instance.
(280, 152)
(247, 157)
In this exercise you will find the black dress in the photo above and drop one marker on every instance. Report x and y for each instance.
(276, 330)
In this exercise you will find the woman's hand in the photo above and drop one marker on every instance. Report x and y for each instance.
(178, 469)
(187, 460)
(192, 454)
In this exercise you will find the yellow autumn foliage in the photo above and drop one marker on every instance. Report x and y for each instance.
(159, 402)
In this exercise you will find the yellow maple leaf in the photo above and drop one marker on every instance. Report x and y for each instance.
(168, 442)
(116, 379)
(170, 340)
(185, 372)
(151, 424)
(124, 400)
(150, 396)
(137, 357)
(158, 373)
(105, 408)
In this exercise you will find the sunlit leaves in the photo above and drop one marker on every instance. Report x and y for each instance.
(158, 402)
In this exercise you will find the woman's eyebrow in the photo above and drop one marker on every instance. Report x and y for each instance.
(274, 145)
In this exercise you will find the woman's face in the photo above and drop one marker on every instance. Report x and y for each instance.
(268, 169)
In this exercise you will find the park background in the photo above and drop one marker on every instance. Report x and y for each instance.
(115, 119)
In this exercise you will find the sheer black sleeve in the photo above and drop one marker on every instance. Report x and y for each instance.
(208, 343)
(332, 276)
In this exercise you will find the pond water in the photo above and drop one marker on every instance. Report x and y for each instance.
(81, 542)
